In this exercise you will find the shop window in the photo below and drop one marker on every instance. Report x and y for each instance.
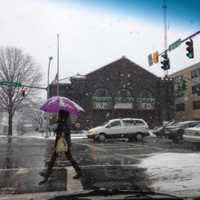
(196, 105)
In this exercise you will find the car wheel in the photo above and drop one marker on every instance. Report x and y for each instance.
(102, 137)
(139, 137)
(178, 137)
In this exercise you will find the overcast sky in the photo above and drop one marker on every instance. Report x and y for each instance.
(95, 33)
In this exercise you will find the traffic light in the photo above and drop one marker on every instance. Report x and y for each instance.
(155, 57)
(165, 62)
(23, 92)
(184, 85)
(150, 60)
(190, 49)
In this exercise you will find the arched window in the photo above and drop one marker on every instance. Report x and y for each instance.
(124, 99)
(101, 92)
(124, 95)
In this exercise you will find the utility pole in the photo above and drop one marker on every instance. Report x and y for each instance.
(49, 64)
(57, 64)
(165, 26)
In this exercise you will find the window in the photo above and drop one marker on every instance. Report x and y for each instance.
(124, 96)
(193, 124)
(128, 122)
(101, 92)
(177, 79)
(195, 89)
(180, 107)
(115, 123)
(139, 123)
(102, 95)
(195, 73)
(196, 105)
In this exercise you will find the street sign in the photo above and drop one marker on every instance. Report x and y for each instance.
(17, 84)
(175, 44)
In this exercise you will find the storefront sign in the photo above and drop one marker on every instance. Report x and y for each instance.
(146, 106)
(123, 106)
(145, 103)
(124, 103)
(102, 105)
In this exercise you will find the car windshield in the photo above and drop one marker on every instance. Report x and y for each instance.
(89, 94)
(197, 126)
(180, 124)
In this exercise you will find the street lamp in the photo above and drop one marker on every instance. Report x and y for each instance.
(50, 59)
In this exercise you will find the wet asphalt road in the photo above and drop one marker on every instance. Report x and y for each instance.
(156, 164)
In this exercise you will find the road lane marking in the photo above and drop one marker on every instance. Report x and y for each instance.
(72, 185)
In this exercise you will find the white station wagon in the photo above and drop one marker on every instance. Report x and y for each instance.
(192, 134)
(131, 128)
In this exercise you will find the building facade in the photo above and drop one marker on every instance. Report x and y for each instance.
(187, 93)
(120, 89)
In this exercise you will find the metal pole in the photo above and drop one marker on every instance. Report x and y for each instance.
(50, 58)
(57, 64)
(165, 25)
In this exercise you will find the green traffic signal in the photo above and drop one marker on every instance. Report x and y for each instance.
(184, 85)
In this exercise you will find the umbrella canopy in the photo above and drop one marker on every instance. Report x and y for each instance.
(56, 103)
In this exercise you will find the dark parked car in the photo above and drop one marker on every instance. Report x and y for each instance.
(175, 132)
(159, 131)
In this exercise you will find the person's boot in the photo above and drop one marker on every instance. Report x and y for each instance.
(43, 181)
(46, 177)
(78, 175)
(43, 174)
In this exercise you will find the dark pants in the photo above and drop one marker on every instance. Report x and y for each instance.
(69, 157)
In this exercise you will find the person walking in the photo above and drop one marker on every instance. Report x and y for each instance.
(62, 144)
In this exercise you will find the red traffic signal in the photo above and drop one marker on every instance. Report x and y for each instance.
(23, 92)
(190, 49)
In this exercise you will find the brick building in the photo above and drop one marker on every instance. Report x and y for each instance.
(187, 91)
(120, 89)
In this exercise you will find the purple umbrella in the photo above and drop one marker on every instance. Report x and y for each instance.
(56, 103)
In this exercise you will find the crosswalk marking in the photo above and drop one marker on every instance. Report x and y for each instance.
(72, 185)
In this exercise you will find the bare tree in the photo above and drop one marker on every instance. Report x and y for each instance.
(16, 66)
